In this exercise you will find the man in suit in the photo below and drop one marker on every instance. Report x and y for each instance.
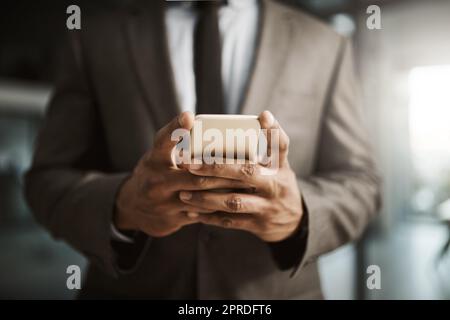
(103, 178)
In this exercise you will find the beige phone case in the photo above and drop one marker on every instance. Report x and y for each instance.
(239, 134)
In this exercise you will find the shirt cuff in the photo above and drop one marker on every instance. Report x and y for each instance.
(119, 236)
(290, 252)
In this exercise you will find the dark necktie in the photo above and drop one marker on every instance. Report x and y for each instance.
(208, 60)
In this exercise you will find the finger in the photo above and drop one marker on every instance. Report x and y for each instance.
(247, 172)
(193, 209)
(187, 218)
(192, 215)
(266, 120)
(184, 213)
(229, 221)
(184, 180)
(277, 138)
(168, 136)
(177, 206)
(226, 202)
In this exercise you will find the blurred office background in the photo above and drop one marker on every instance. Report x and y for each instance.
(405, 80)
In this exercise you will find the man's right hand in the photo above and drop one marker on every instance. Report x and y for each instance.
(149, 200)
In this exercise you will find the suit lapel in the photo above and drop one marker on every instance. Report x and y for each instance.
(150, 57)
(271, 53)
(146, 34)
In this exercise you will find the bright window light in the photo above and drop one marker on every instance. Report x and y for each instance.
(430, 120)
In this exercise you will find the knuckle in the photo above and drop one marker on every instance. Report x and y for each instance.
(234, 203)
(248, 169)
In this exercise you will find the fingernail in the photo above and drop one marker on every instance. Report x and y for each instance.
(270, 118)
(184, 195)
(192, 215)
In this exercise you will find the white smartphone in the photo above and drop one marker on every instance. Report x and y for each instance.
(226, 136)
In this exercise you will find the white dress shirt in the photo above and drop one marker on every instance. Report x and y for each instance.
(238, 25)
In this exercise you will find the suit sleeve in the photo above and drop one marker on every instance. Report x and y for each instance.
(70, 187)
(343, 194)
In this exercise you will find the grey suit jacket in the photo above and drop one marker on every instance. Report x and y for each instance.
(114, 92)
